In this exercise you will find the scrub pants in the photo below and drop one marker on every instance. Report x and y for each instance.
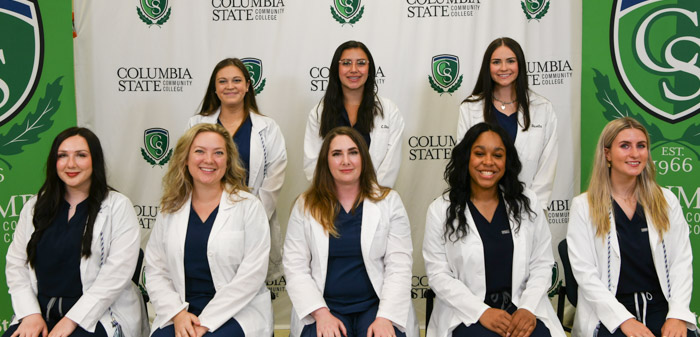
(650, 308)
(230, 329)
(356, 324)
(53, 310)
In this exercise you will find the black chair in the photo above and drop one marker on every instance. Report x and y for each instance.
(137, 276)
(571, 285)
(429, 297)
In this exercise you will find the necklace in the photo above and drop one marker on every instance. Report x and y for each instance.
(503, 104)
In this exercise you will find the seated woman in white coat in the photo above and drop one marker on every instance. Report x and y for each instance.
(207, 256)
(487, 246)
(347, 255)
(74, 250)
(628, 244)
(501, 96)
(230, 102)
(351, 100)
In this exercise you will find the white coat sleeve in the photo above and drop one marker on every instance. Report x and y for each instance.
(680, 260)
(580, 239)
(388, 169)
(250, 276)
(118, 266)
(312, 142)
(276, 165)
(306, 297)
(467, 306)
(463, 123)
(543, 180)
(17, 269)
(540, 261)
(395, 301)
(162, 292)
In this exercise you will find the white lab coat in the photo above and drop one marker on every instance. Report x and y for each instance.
(386, 251)
(268, 162)
(457, 275)
(237, 252)
(537, 147)
(104, 287)
(384, 148)
(589, 262)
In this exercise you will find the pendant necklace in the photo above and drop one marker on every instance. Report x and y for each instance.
(503, 104)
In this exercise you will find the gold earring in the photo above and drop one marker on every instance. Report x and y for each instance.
(609, 165)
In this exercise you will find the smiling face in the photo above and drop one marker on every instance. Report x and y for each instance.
(503, 66)
(353, 68)
(231, 86)
(206, 160)
(74, 163)
(487, 161)
(344, 160)
(628, 154)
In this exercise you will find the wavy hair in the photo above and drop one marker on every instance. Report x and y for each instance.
(333, 98)
(211, 102)
(178, 182)
(647, 191)
(52, 192)
(483, 90)
(459, 182)
(321, 201)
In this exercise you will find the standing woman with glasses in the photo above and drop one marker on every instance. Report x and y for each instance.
(351, 100)
(74, 251)
(230, 102)
(629, 245)
(501, 96)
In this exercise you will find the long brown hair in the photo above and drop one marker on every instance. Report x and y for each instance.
(647, 191)
(321, 201)
(178, 183)
(211, 102)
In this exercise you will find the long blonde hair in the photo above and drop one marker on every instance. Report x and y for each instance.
(321, 201)
(177, 182)
(647, 191)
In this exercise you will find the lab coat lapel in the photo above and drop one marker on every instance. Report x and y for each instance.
(256, 159)
(370, 221)
(520, 253)
(180, 222)
(222, 216)
(320, 237)
(613, 234)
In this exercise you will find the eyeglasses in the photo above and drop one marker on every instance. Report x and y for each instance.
(349, 62)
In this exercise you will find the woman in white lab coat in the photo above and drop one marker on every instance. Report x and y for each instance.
(351, 100)
(487, 246)
(207, 256)
(501, 96)
(628, 244)
(347, 254)
(75, 249)
(230, 101)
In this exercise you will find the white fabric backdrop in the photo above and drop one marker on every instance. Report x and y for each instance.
(131, 77)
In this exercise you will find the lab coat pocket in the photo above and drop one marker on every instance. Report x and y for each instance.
(230, 248)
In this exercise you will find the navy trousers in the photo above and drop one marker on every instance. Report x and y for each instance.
(230, 329)
(355, 324)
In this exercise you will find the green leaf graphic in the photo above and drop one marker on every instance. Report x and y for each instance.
(456, 86)
(527, 15)
(543, 12)
(167, 16)
(692, 134)
(143, 17)
(147, 157)
(435, 86)
(337, 16)
(357, 17)
(35, 123)
(261, 87)
(166, 158)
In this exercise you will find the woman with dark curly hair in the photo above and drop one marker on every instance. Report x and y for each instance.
(487, 246)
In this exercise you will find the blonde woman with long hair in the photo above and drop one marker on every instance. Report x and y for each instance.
(347, 255)
(628, 244)
(207, 256)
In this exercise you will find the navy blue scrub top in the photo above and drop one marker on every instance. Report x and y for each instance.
(345, 121)
(242, 141)
(509, 123)
(58, 253)
(199, 285)
(348, 288)
(497, 241)
(637, 270)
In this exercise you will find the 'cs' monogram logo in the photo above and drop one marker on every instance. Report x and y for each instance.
(255, 68)
(153, 12)
(534, 9)
(156, 142)
(657, 42)
(446, 77)
(347, 11)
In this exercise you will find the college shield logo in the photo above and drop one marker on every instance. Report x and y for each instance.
(255, 68)
(534, 9)
(347, 11)
(655, 54)
(156, 143)
(21, 55)
(153, 12)
(446, 77)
